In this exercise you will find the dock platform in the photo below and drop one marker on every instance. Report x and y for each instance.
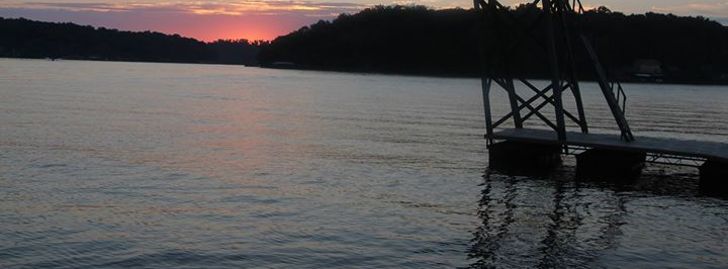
(667, 146)
(621, 155)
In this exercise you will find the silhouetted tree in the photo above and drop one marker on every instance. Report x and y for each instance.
(32, 39)
(418, 40)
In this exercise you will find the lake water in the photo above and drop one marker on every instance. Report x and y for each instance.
(139, 165)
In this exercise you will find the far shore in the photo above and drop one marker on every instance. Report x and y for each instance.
(393, 73)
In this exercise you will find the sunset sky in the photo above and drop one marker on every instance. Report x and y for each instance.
(265, 19)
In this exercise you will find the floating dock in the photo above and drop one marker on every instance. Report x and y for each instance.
(607, 156)
(554, 34)
(652, 146)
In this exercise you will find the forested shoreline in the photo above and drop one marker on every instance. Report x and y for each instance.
(22, 38)
(421, 41)
(412, 40)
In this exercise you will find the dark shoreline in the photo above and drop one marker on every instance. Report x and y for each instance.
(411, 74)
(416, 40)
(439, 75)
(124, 61)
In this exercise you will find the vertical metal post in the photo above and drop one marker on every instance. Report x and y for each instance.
(486, 80)
(557, 88)
(486, 83)
(573, 80)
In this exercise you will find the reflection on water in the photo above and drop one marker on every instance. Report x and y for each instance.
(118, 165)
(559, 245)
(558, 222)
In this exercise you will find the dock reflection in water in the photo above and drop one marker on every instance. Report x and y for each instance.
(553, 221)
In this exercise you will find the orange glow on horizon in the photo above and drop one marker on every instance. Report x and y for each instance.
(228, 34)
(210, 28)
(205, 21)
(234, 32)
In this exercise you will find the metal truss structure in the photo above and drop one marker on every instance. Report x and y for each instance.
(675, 160)
(554, 33)
(653, 157)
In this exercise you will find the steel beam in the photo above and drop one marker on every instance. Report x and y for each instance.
(486, 83)
(551, 54)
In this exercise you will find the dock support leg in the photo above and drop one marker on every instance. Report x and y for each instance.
(605, 164)
(523, 158)
(714, 178)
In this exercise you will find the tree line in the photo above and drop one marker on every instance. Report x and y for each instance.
(404, 40)
(423, 41)
(22, 38)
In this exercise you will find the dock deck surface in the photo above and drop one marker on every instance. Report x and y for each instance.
(688, 148)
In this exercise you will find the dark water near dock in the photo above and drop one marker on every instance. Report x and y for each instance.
(117, 165)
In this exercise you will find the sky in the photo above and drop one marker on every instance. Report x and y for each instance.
(266, 19)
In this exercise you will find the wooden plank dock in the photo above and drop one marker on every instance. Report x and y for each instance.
(669, 146)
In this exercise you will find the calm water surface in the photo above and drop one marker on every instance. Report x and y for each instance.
(119, 165)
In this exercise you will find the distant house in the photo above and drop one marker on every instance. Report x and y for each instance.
(283, 65)
(648, 70)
